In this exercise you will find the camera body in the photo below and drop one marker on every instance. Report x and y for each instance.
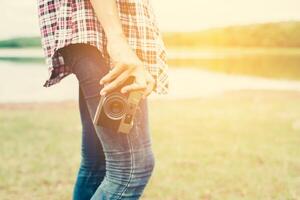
(116, 110)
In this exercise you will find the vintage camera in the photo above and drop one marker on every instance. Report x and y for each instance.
(116, 110)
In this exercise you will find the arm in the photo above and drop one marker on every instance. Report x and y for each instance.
(125, 60)
(107, 13)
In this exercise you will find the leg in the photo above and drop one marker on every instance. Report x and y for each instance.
(129, 157)
(92, 166)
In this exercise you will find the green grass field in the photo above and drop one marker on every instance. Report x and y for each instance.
(241, 145)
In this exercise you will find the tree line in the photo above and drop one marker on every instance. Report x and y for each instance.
(281, 34)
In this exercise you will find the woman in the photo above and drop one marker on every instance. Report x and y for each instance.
(103, 42)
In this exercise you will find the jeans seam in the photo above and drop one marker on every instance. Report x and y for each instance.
(132, 167)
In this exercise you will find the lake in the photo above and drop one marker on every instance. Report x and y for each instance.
(198, 74)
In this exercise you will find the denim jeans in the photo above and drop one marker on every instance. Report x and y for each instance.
(114, 165)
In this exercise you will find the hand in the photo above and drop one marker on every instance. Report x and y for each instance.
(126, 64)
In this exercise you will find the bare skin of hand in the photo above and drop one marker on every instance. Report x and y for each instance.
(126, 64)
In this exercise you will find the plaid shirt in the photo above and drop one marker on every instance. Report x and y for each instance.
(64, 22)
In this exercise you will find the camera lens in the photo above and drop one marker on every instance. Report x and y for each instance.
(114, 106)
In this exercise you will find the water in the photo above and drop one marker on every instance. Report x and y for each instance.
(14, 52)
(23, 81)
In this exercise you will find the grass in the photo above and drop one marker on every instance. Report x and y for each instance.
(241, 145)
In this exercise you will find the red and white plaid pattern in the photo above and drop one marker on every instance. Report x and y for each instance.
(64, 22)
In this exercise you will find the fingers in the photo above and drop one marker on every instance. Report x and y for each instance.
(115, 72)
(132, 87)
(115, 83)
(149, 89)
(150, 86)
(120, 73)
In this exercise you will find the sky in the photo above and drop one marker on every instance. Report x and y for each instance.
(19, 18)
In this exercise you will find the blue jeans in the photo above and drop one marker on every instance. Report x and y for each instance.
(113, 165)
